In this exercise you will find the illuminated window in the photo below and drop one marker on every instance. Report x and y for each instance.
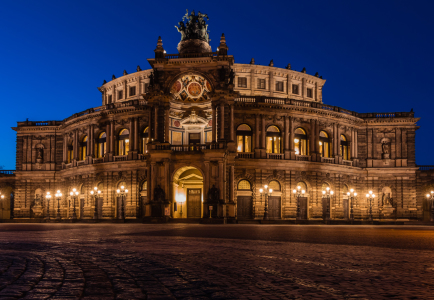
(70, 156)
(101, 145)
(244, 138)
(344, 151)
(145, 140)
(300, 141)
(273, 139)
(145, 186)
(324, 144)
(123, 142)
(244, 185)
(82, 192)
(275, 185)
(83, 148)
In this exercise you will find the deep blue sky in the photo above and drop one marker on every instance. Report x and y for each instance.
(377, 56)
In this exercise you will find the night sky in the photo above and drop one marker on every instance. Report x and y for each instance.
(377, 56)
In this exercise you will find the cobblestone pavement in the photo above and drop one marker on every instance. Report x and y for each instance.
(183, 261)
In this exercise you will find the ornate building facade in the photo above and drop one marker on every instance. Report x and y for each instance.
(200, 136)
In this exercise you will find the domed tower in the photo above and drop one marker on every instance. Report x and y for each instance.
(194, 33)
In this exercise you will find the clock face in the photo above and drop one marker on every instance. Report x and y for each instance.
(191, 88)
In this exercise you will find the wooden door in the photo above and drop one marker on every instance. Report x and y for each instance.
(81, 216)
(346, 209)
(193, 203)
(244, 207)
(99, 205)
(273, 207)
(120, 201)
(325, 215)
(303, 208)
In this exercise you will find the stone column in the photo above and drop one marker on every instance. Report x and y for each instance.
(156, 123)
(257, 138)
(286, 138)
(231, 123)
(231, 183)
(317, 155)
(75, 145)
(335, 145)
(312, 139)
(112, 137)
(214, 124)
(222, 121)
(291, 138)
(89, 141)
(263, 138)
(356, 145)
(107, 140)
(166, 124)
(53, 148)
(131, 137)
(124, 96)
(136, 134)
(289, 86)
(92, 141)
(303, 87)
(65, 148)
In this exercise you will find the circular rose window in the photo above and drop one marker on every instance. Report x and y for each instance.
(193, 88)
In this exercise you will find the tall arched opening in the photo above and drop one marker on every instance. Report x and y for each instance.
(188, 193)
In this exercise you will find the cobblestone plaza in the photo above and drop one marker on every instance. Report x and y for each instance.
(184, 261)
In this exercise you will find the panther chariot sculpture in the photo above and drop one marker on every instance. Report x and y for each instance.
(194, 33)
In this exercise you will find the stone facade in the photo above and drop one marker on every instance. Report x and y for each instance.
(186, 135)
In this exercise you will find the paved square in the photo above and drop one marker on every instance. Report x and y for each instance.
(184, 261)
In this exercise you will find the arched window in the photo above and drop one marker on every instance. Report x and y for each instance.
(273, 139)
(101, 145)
(70, 153)
(275, 185)
(145, 140)
(83, 148)
(244, 138)
(82, 189)
(324, 144)
(344, 148)
(302, 185)
(123, 142)
(300, 141)
(244, 185)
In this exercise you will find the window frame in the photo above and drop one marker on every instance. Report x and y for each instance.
(296, 89)
(309, 92)
(280, 84)
(273, 141)
(260, 82)
(243, 83)
(132, 89)
(244, 134)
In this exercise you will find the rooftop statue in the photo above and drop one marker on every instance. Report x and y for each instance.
(194, 28)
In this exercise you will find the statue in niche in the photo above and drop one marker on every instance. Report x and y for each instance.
(386, 149)
(385, 199)
(39, 155)
(159, 194)
(213, 194)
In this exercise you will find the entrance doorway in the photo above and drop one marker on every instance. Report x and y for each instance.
(274, 207)
(187, 193)
(346, 208)
(303, 208)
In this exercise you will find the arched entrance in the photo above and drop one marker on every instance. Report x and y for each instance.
(188, 193)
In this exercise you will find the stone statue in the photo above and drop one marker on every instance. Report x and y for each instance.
(195, 27)
(151, 79)
(231, 76)
(213, 194)
(386, 150)
(40, 153)
(159, 194)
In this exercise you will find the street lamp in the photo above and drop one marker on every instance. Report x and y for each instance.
(298, 193)
(48, 197)
(265, 191)
(122, 192)
(370, 196)
(428, 197)
(58, 196)
(74, 195)
(96, 194)
(181, 200)
(352, 195)
(327, 194)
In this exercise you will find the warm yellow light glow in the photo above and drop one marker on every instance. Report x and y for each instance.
(126, 191)
(265, 186)
(373, 196)
(127, 141)
(348, 193)
(239, 149)
(294, 191)
(76, 193)
(427, 195)
(370, 192)
(91, 192)
(99, 192)
(58, 191)
(71, 193)
(74, 190)
(367, 195)
(303, 191)
(352, 190)
(331, 192)
(296, 140)
(323, 192)
(122, 187)
(118, 191)
(327, 188)
(95, 188)
(320, 143)
(261, 190)
(298, 187)
(355, 194)
(270, 190)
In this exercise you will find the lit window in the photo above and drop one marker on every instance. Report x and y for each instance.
(324, 144)
(300, 141)
(344, 151)
(274, 185)
(244, 185)
(123, 142)
(145, 140)
(244, 138)
(101, 145)
(83, 148)
(273, 139)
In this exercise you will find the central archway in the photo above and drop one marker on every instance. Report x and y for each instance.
(188, 193)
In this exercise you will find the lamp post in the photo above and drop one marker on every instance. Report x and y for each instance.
(266, 192)
(74, 195)
(122, 192)
(370, 196)
(181, 200)
(352, 195)
(48, 197)
(428, 197)
(96, 194)
(327, 194)
(298, 193)
(58, 196)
